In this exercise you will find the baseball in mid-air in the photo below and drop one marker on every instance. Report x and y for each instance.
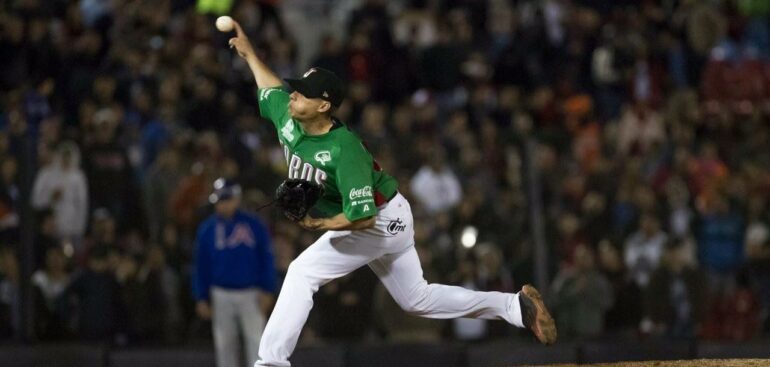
(225, 23)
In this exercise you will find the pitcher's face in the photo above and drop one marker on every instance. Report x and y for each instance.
(303, 108)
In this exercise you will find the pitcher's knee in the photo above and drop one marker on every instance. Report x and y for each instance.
(294, 267)
(416, 304)
(414, 309)
(296, 272)
(297, 275)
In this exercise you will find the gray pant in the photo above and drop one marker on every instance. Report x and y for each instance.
(236, 312)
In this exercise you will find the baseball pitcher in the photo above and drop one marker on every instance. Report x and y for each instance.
(367, 221)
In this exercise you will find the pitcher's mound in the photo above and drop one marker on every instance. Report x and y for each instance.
(689, 363)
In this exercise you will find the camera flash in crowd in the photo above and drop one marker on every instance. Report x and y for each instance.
(68, 248)
(469, 236)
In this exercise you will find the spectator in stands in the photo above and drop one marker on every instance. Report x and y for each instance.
(680, 215)
(758, 256)
(45, 238)
(330, 56)
(157, 274)
(161, 179)
(720, 243)
(676, 298)
(10, 316)
(98, 298)
(62, 187)
(626, 312)
(569, 238)
(49, 286)
(103, 233)
(187, 197)
(435, 185)
(110, 178)
(640, 128)
(9, 200)
(580, 297)
(142, 312)
(643, 249)
(741, 306)
(595, 216)
(607, 72)
(176, 256)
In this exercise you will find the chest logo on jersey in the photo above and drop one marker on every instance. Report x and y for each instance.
(241, 235)
(323, 157)
(305, 170)
(288, 130)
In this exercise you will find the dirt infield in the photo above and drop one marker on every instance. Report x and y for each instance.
(689, 363)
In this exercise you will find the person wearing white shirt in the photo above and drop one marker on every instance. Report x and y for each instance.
(644, 249)
(62, 186)
(435, 186)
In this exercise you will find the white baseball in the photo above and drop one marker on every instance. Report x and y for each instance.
(224, 23)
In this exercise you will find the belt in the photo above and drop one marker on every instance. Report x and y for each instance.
(380, 200)
(393, 195)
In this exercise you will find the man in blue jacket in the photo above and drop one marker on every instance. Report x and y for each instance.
(234, 275)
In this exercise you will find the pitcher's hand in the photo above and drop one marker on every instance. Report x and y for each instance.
(241, 43)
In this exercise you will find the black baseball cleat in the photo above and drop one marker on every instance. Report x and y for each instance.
(535, 316)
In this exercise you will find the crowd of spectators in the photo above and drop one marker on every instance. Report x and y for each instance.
(641, 127)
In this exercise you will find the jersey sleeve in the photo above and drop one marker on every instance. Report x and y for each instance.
(274, 105)
(354, 180)
(201, 277)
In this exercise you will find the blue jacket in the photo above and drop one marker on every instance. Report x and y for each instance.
(720, 242)
(233, 254)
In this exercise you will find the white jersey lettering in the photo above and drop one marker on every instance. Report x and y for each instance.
(320, 177)
(307, 172)
(287, 130)
(294, 165)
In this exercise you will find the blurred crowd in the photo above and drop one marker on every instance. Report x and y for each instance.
(639, 130)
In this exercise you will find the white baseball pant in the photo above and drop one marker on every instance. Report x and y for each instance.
(236, 312)
(388, 249)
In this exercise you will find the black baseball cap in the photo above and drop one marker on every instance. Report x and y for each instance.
(319, 83)
(224, 189)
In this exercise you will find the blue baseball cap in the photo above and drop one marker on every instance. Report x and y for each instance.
(224, 189)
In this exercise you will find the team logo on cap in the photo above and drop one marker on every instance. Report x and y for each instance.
(311, 71)
(323, 157)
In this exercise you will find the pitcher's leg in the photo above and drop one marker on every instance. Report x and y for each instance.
(401, 273)
(289, 316)
(331, 257)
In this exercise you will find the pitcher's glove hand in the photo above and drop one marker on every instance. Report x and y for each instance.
(295, 197)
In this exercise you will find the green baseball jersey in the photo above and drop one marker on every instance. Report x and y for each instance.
(353, 181)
